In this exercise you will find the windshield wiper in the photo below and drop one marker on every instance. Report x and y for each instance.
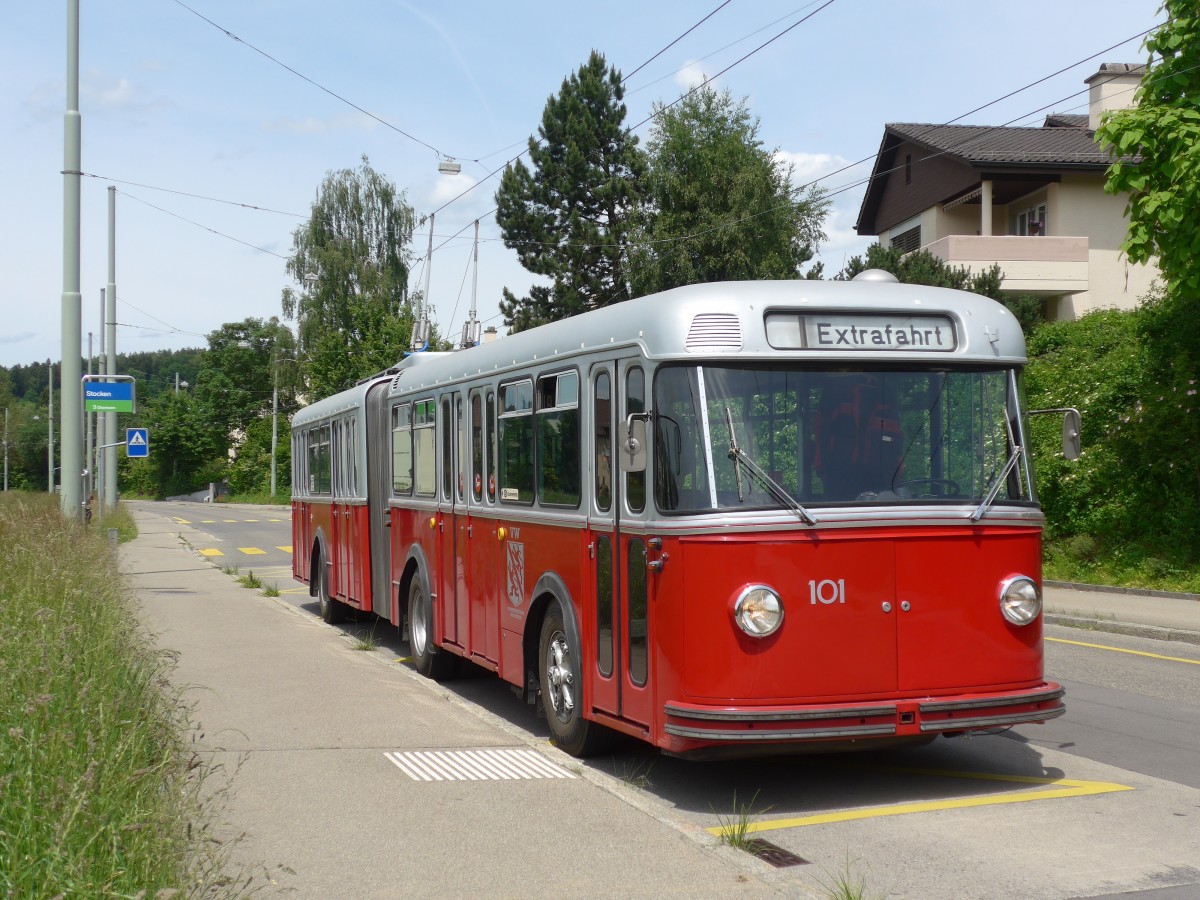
(997, 482)
(772, 487)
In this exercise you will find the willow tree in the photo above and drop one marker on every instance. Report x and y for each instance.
(569, 216)
(351, 261)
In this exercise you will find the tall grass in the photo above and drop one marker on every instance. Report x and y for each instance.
(99, 796)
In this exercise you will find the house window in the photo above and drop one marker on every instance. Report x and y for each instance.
(1031, 222)
(907, 241)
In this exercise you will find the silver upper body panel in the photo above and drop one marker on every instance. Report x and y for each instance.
(727, 320)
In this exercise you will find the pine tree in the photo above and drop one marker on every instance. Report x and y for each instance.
(568, 215)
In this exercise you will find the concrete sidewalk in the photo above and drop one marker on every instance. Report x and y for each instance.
(1171, 617)
(313, 739)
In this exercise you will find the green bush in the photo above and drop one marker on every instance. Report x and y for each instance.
(1135, 492)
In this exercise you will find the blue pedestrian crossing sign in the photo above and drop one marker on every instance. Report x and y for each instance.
(137, 442)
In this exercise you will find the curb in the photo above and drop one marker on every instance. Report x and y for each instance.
(1113, 627)
(1107, 589)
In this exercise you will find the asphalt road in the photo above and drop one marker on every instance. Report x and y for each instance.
(1103, 801)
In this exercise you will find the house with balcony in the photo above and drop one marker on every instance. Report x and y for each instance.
(1030, 199)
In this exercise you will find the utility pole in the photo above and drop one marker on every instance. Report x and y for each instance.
(50, 425)
(72, 376)
(110, 418)
(274, 410)
(6, 449)
(97, 463)
(87, 426)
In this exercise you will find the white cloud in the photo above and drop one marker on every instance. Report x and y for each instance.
(808, 167)
(314, 125)
(116, 94)
(690, 76)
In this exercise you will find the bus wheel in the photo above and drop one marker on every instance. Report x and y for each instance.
(562, 691)
(425, 656)
(332, 610)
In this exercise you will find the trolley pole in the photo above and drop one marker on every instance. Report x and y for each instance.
(71, 437)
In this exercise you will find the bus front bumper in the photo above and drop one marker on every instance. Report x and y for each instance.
(691, 726)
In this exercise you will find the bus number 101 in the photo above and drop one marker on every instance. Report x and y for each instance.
(827, 592)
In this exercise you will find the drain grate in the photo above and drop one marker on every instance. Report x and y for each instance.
(503, 764)
(774, 854)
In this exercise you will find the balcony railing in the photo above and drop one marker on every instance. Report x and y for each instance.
(1032, 265)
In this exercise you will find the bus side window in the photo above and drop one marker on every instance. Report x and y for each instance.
(559, 478)
(516, 442)
(476, 448)
(602, 418)
(425, 480)
(402, 450)
(490, 425)
(635, 402)
(447, 428)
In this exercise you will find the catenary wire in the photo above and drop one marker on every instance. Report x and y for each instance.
(315, 84)
(676, 41)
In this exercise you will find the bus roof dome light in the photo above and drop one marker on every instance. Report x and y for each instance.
(881, 276)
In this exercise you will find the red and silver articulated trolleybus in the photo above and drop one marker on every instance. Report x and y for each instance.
(741, 515)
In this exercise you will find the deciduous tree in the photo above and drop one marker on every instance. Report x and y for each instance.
(354, 316)
(1157, 143)
(720, 206)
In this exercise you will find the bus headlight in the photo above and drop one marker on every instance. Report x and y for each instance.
(1020, 600)
(758, 610)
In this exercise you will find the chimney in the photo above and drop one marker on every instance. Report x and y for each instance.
(1112, 87)
(489, 334)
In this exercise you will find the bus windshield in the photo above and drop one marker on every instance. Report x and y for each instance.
(863, 436)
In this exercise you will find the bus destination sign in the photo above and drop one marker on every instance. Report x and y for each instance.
(854, 332)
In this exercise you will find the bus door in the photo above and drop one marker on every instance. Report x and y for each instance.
(452, 526)
(379, 489)
(486, 554)
(342, 512)
(620, 676)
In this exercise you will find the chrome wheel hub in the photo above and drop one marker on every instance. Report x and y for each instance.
(559, 678)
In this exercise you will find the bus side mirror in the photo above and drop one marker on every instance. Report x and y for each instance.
(1071, 425)
(632, 441)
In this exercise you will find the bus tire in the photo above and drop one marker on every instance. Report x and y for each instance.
(429, 661)
(332, 610)
(560, 675)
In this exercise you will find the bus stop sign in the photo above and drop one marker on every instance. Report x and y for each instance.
(137, 442)
(114, 396)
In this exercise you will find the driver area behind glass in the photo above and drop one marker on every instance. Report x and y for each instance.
(832, 437)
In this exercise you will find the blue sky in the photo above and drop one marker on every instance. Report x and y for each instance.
(170, 102)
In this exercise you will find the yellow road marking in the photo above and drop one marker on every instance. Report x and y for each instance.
(1058, 788)
(276, 520)
(181, 521)
(252, 551)
(1194, 662)
(211, 551)
(287, 549)
(208, 521)
(249, 520)
(229, 520)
